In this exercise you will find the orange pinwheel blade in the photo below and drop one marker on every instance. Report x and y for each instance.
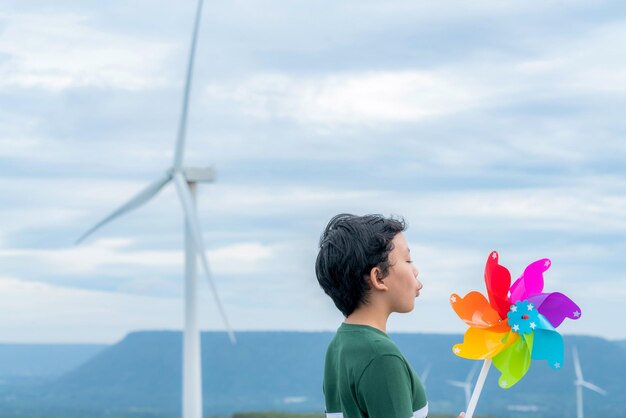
(481, 344)
(475, 310)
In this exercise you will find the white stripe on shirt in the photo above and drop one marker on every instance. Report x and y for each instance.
(420, 413)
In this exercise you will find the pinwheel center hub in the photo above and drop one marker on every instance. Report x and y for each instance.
(523, 317)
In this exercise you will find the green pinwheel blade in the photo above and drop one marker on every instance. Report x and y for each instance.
(514, 362)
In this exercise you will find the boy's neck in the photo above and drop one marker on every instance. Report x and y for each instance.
(369, 317)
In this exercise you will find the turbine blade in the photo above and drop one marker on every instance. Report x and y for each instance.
(578, 370)
(194, 227)
(457, 383)
(424, 375)
(472, 372)
(182, 124)
(138, 200)
(593, 387)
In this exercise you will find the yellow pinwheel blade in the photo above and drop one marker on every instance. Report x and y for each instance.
(480, 344)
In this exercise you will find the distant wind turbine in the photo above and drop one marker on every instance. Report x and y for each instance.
(580, 383)
(184, 179)
(424, 374)
(467, 384)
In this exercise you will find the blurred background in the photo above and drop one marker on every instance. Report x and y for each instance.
(486, 125)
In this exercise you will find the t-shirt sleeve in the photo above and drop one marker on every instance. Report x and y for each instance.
(384, 390)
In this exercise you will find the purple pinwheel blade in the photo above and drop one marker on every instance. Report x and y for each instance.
(555, 307)
(531, 281)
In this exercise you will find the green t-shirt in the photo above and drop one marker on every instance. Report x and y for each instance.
(366, 375)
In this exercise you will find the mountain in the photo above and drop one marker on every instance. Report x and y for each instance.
(27, 363)
(141, 377)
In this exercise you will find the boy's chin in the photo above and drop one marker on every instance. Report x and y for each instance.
(405, 309)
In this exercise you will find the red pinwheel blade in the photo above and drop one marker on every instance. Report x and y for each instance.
(497, 281)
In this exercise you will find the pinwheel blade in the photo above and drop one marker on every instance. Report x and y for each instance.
(476, 311)
(497, 281)
(194, 227)
(594, 388)
(481, 344)
(138, 200)
(548, 345)
(556, 307)
(514, 362)
(182, 124)
(531, 281)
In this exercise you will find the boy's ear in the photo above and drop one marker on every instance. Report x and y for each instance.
(376, 280)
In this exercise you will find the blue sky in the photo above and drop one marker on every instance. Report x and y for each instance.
(487, 125)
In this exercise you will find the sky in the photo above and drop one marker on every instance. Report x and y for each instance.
(487, 125)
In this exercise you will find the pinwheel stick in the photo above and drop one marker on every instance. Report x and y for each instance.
(477, 389)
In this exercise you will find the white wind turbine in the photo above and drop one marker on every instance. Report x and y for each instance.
(424, 374)
(467, 384)
(580, 383)
(184, 179)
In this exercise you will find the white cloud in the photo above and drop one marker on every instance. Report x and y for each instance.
(41, 312)
(590, 63)
(572, 208)
(99, 255)
(350, 98)
(562, 69)
(19, 147)
(452, 11)
(58, 51)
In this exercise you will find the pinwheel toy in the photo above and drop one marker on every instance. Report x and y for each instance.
(518, 323)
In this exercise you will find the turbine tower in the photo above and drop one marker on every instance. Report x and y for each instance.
(466, 384)
(580, 383)
(185, 180)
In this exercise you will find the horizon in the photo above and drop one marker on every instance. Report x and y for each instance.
(565, 336)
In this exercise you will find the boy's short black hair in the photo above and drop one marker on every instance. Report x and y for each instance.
(350, 247)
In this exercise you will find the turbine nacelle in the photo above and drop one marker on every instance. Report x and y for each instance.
(195, 174)
(590, 386)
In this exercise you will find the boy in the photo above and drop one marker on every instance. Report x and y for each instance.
(364, 265)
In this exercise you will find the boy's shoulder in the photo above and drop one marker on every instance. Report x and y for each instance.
(363, 342)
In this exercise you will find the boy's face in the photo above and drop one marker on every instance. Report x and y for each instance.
(402, 280)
